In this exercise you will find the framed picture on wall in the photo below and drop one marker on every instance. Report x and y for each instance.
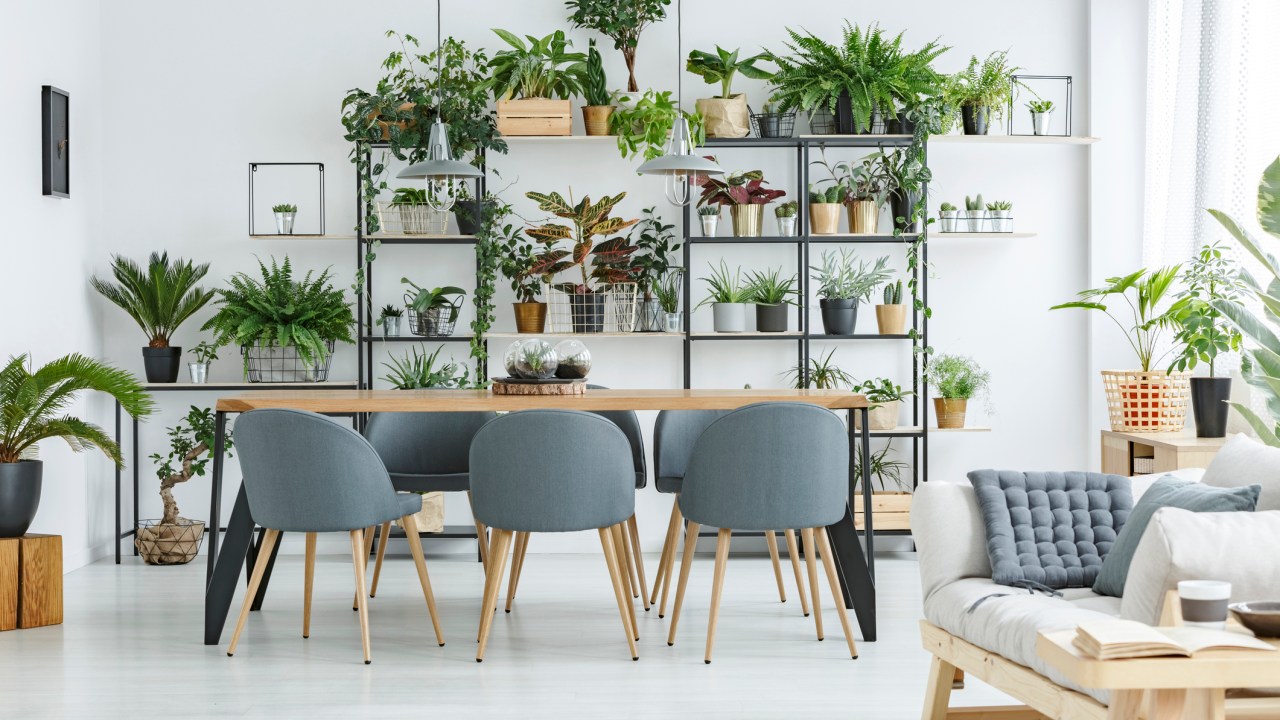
(55, 137)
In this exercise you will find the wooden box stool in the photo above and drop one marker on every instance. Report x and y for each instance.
(30, 581)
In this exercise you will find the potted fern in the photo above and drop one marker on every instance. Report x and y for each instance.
(173, 539)
(286, 328)
(595, 92)
(725, 115)
(33, 407)
(159, 298)
(982, 90)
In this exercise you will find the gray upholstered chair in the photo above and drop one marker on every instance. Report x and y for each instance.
(552, 471)
(674, 436)
(767, 466)
(305, 473)
(629, 423)
(423, 452)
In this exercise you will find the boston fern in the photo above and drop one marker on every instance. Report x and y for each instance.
(279, 311)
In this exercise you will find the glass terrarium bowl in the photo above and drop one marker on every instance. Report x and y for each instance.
(536, 360)
(510, 356)
(575, 359)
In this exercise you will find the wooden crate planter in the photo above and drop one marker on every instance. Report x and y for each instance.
(889, 511)
(535, 116)
(30, 581)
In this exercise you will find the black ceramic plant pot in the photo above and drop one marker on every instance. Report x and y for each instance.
(588, 312)
(162, 364)
(839, 317)
(19, 496)
(1209, 397)
(771, 318)
(976, 119)
(902, 204)
(468, 214)
(900, 125)
(844, 115)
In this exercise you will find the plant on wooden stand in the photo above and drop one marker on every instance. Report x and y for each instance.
(621, 22)
(728, 298)
(841, 286)
(725, 115)
(956, 379)
(745, 195)
(1203, 333)
(173, 539)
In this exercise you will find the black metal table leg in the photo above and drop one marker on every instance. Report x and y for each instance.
(118, 486)
(215, 492)
(226, 569)
(857, 580)
(135, 483)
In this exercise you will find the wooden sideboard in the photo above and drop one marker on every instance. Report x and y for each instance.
(1130, 453)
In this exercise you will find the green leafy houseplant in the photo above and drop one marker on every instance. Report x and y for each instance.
(189, 444)
(722, 65)
(610, 258)
(982, 90)
(839, 279)
(1040, 106)
(886, 472)
(770, 288)
(667, 291)
(595, 84)
(543, 68)
(863, 179)
(1202, 331)
(956, 379)
(1148, 320)
(656, 244)
(621, 22)
(643, 125)
(159, 298)
(436, 309)
(737, 188)
(416, 371)
(205, 352)
(820, 373)
(277, 311)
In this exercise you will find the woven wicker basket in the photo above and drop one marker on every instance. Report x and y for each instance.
(1147, 401)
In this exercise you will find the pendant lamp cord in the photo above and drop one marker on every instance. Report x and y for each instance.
(439, 62)
(679, 55)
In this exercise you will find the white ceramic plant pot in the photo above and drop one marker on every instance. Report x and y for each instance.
(1040, 122)
(787, 226)
(710, 224)
(973, 220)
(1001, 221)
(729, 317)
(284, 222)
(948, 220)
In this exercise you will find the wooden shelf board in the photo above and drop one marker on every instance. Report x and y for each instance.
(274, 236)
(965, 429)
(1014, 139)
(560, 138)
(588, 336)
(240, 385)
(982, 235)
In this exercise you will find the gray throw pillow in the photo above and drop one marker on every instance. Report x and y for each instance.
(1050, 529)
(1168, 491)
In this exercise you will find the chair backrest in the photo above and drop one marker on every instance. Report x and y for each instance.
(551, 471)
(306, 473)
(674, 435)
(629, 423)
(425, 443)
(769, 466)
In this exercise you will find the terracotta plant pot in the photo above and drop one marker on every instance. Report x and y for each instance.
(824, 218)
(950, 412)
(531, 317)
(864, 217)
(595, 118)
(891, 319)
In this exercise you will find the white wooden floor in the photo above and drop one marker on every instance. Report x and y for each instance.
(131, 647)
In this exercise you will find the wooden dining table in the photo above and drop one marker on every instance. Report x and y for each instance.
(855, 567)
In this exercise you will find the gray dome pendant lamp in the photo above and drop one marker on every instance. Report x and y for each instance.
(440, 170)
(679, 165)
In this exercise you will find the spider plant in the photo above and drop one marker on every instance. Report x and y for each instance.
(417, 371)
(159, 298)
(823, 374)
(770, 288)
(883, 469)
(725, 287)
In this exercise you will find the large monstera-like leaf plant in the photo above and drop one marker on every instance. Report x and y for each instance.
(1261, 357)
(610, 259)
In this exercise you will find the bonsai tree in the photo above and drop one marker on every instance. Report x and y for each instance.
(610, 258)
(159, 298)
(189, 444)
(542, 69)
(621, 22)
(1147, 321)
(738, 188)
(721, 67)
(278, 311)
(655, 243)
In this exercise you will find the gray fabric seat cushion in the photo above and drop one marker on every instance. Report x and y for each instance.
(1050, 528)
(410, 503)
(668, 484)
(451, 482)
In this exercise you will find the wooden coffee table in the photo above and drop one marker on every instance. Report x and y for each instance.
(1175, 687)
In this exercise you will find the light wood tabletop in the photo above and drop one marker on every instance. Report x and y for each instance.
(1208, 669)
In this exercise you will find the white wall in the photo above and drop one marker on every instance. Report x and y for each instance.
(52, 245)
(193, 93)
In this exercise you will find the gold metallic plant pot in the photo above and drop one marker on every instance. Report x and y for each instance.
(950, 412)
(747, 220)
(531, 317)
(596, 118)
(824, 218)
(864, 216)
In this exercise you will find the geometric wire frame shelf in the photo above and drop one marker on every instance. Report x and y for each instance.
(253, 168)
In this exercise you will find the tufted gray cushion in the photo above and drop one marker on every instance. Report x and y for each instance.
(1050, 528)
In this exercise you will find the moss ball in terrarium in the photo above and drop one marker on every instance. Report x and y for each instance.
(536, 360)
(575, 359)
(509, 358)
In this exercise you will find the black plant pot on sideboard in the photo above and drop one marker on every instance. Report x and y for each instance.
(975, 118)
(162, 364)
(839, 317)
(1209, 397)
(19, 496)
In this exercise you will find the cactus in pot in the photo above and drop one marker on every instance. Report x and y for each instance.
(973, 213)
(948, 215)
(786, 214)
(891, 316)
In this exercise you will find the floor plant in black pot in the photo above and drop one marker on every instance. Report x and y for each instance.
(159, 297)
(772, 295)
(1203, 333)
(33, 405)
(841, 286)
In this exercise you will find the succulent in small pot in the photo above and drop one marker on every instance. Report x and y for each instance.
(824, 210)
(205, 353)
(863, 187)
(948, 217)
(885, 397)
(726, 115)
(389, 320)
(974, 213)
(159, 298)
(745, 194)
(573, 359)
(728, 298)
(891, 315)
(956, 379)
(285, 214)
(667, 291)
(173, 539)
(1041, 115)
(709, 217)
(1001, 214)
(772, 295)
(595, 93)
(841, 286)
(787, 214)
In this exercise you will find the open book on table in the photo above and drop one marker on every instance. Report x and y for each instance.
(1116, 639)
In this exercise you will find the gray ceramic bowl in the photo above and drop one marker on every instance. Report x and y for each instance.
(1263, 618)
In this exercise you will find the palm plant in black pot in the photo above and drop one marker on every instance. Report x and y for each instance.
(159, 298)
(841, 286)
(32, 408)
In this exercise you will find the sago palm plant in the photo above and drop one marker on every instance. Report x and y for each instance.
(33, 404)
(158, 298)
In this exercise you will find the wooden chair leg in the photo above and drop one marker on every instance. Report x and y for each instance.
(690, 545)
(260, 567)
(480, 535)
(620, 549)
(383, 536)
(671, 561)
(499, 543)
(634, 541)
(420, 562)
(611, 559)
(517, 564)
(368, 548)
(811, 563)
(359, 555)
(824, 548)
(717, 588)
(668, 547)
(309, 573)
(937, 696)
(772, 541)
(793, 549)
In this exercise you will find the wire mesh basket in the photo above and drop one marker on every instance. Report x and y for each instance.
(772, 124)
(411, 219)
(433, 322)
(610, 309)
(823, 122)
(275, 364)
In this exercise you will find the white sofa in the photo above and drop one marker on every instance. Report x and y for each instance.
(955, 572)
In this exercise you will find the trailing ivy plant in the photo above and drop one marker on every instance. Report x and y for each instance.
(645, 124)
(621, 22)
(492, 238)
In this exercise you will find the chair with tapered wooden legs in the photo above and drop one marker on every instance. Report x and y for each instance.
(304, 473)
(539, 471)
(765, 467)
(674, 435)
